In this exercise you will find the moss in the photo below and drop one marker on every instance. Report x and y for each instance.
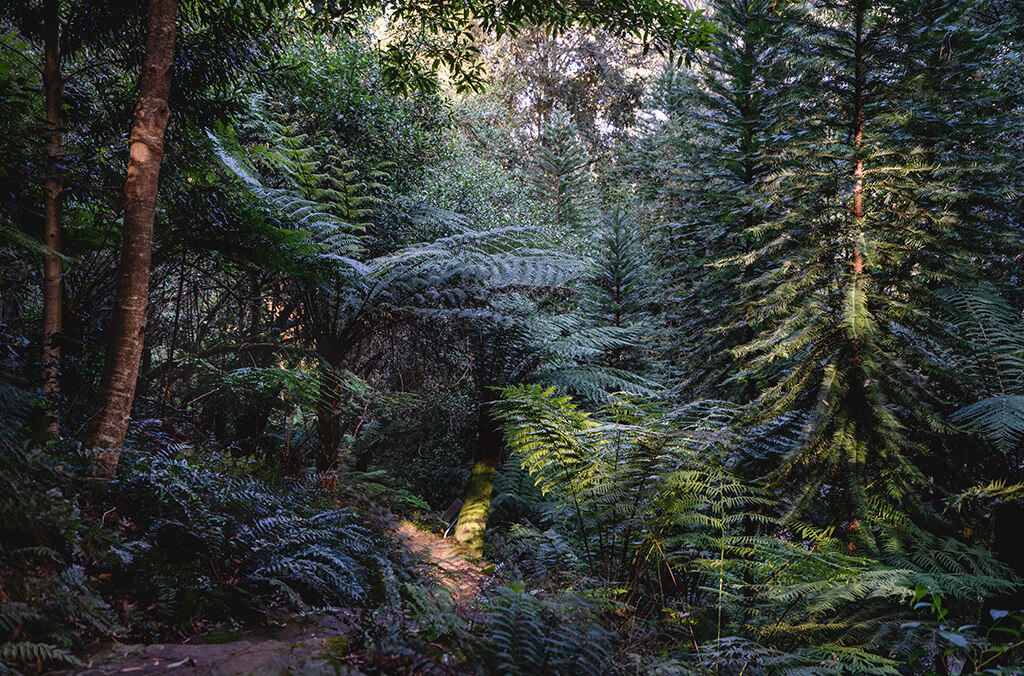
(219, 636)
(336, 645)
(469, 531)
(334, 663)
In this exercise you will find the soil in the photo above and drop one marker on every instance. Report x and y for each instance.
(463, 578)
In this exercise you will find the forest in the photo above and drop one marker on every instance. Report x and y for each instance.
(676, 337)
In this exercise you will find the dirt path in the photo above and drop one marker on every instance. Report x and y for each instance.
(463, 578)
(296, 649)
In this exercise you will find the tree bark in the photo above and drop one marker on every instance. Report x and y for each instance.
(53, 194)
(328, 424)
(131, 296)
(858, 388)
(472, 521)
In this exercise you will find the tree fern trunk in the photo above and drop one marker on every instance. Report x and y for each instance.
(328, 424)
(131, 297)
(472, 522)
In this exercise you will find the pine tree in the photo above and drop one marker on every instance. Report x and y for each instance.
(872, 209)
(561, 174)
(620, 292)
(703, 163)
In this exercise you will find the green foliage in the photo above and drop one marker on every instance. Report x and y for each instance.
(50, 603)
(990, 359)
(536, 554)
(214, 542)
(619, 286)
(561, 174)
(481, 191)
(838, 208)
(325, 235)
(597, 78)
(573, 355)
(994, 647)
(530, 635)
(699, 168)
(619, 482)
(398, 496)
(34, 654)
(425, 39)
(647, 504)
(619, 294)
(813, 240)
(174, 542)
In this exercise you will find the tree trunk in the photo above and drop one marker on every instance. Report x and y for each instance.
(328, 424)
(858, 536)
(131, 297)
(472, 522)
(53, 193)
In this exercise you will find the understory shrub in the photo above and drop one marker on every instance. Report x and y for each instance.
(172, 545)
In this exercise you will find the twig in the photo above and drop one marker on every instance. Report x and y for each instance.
(31, 62)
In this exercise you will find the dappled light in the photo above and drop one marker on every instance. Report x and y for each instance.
(559, 338)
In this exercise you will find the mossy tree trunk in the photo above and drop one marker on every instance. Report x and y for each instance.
(469, 531)
(472, 522)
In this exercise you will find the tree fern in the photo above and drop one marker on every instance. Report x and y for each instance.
(272, 542)
(517, 627)
(614, 478)
(351, 301)
(328, 236)
(529, 635)
(49, 602)
(652, 505)
(35, 654)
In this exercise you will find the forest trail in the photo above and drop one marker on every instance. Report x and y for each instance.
(299, 647)
(462, 577)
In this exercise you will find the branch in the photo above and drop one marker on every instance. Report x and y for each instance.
(227, 349)
(89, 66)
(12, 379)
(29, 61)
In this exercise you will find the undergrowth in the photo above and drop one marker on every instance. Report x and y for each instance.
(179, 542)
(625, 544)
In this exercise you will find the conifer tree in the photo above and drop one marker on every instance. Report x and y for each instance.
(703, 165)
(621, 293)
(870, 212)
(561, 173)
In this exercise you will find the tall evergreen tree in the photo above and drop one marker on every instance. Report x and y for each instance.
(561, 173)
(869, 214)
(621, 292)
(702, 165)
